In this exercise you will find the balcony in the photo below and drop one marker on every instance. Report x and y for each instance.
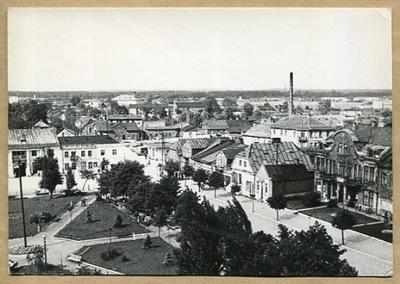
(303, 139)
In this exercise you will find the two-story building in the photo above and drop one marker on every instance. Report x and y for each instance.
(25, 145)
(260, 133)
(303, 131)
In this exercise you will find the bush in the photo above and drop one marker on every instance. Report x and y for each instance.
(147, 243)
(332, 203)
(110, 254)
(169, 259)
(99, 198)
(235, 188)
(118, 222)
(312, 200)
(43, 217)
(351, 203)
(124, 258)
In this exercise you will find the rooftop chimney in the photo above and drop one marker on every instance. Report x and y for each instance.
(291, 94)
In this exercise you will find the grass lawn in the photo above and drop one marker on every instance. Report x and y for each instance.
(296, 204)
(32, 270)
(103, 215)
(55, 206)
(325, 214)
(140, 261)
(375, 230)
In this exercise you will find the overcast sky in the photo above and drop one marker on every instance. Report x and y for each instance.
(198, 49)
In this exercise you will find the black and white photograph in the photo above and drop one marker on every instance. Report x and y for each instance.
(200, 142)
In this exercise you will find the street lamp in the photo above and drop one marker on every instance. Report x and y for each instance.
(22, 200)
(45, 253)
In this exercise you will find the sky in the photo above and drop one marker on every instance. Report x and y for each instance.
(198, 49)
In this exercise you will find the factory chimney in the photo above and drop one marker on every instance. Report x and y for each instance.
(291, 94)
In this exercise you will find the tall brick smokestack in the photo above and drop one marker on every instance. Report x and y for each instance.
(291, 94)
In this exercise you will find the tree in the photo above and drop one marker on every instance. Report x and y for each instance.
(147, 242)
(86, 175)
(216, 180)
(160, 219)
(310, 253)
(229, 113)
(188, 170)
(344, 220)
(235, 188)
(324, 106)
(118, 222)
(35, 257)
(141, 198)
(196, 120)
(15, 118)
(159, 110)
(285, 106)
(33, 112)
(248, 109)
(229, 102)
(211, 107)
(70, 180)
(258, 113)
(75, 100)
(277, 202)
(123, 179)
(104, 163)
(171, 167)
(164, 194)
(51, 175)
(200, 176)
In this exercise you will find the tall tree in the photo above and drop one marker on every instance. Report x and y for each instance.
(211, 107)
(160, 219)
(70, 179)
(34, 111)
(248, 109)
(277, 202)
(216, 179)
(200, 176)
(51, 175)
(171, 167)
(75, 100)
(229, 102)
(344, 220)
(324, 106)
(164, 194)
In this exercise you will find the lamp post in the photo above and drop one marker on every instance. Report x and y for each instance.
(45, 253)
(22, 200)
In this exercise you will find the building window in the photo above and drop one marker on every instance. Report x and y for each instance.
(89, 153)
(341, 168)
(114, 151)
(82, 153)
(34, 153)
(95, 164)
(240, 178)
(240, 163)
(102, 152)
(73, 166)
(368, 198)
(346, 149)
(83, 164)
(248, 186)
(244, 164)
(340, 148)
(66, 154)
(73, 154)
(90, 165)
(366, 170)
(372, 174)
(66, 166)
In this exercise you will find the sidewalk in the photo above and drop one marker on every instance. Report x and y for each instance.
(370, 256)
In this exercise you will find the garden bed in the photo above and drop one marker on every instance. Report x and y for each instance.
(134, 260)
(103, 217)
(55, 206)
(375, 230)
(325, 214)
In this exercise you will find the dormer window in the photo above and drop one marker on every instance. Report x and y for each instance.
(23, 138)
(370, 153)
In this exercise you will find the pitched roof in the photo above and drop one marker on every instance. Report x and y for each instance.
(260, 130)
(124, 116)
(199, 143)
(288, 172)
(210, 153)
(382, 136)
(216, 125)
(124, 98)
(238, 126)
(231, 151)
(82, 140)
(177, 146)
(131, 126)
(40, 124)
(34, 138)
(265, 154)
(84, 120)
(298, 122)
(101, 125)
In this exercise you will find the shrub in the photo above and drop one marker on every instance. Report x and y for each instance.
(235, 188)
(147, 243)
(43, 217)
(332, 203)
(351, 203)
(311, 200)
(124, 258)
(110, 254)
(118, 222)
(169, 259)
(34, 219)
(99, 198)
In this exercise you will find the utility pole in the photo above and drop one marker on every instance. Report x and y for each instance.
(22, 200)
(45, 253)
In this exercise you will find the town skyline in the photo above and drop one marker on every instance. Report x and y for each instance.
(198, 49)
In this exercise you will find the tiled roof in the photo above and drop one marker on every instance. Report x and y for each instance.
(101, 125)
(238, 126)
(368, 134)
(265, 153)
(216, 125)
(81, 140)
(298, 122)
(34, 138)
(288, 172)
(260, 130)
(382, 136)
(124, 98)
(210, 153)
(84, 120)
(231, 152)
(177, 146)
(41, 124)
(189, 104)
(199, 143)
